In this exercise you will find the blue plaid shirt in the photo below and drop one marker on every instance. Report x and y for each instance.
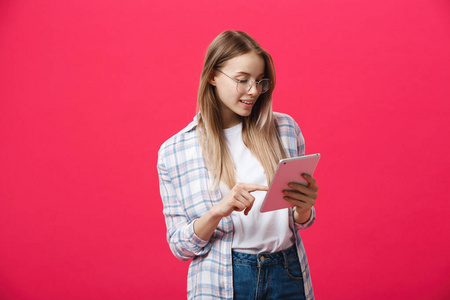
(187, 191)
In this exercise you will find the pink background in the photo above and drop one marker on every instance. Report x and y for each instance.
(90, 89)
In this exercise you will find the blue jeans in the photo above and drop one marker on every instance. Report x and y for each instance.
(268, 275)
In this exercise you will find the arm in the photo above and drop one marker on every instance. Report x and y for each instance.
(308, 223)
(238, 199)
(183, 241)
(191, 238)
(304, 197)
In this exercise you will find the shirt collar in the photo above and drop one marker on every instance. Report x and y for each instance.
(193, 124)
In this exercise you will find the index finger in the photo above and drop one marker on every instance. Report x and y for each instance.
(311, 180)
(255, 187)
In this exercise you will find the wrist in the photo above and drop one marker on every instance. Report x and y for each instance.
(303, 216)
(214, 214)
(205, 226)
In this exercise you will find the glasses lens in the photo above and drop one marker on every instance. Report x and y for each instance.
(265, 85)
(245, 85)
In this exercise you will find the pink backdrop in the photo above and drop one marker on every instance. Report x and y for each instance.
(90, 89)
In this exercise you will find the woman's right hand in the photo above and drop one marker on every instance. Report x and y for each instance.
(238, 199)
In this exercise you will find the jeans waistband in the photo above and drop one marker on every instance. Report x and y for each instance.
(260, 259)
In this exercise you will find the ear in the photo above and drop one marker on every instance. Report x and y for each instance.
(212, 78)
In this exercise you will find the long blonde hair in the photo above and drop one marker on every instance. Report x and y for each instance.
(259, 133)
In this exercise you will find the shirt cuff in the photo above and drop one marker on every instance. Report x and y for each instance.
(197, 243)
(308, 223)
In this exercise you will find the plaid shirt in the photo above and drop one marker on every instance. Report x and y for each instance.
(187, 192)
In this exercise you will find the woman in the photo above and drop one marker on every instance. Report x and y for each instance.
(214, 175)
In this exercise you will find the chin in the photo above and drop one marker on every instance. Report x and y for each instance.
(246, 114)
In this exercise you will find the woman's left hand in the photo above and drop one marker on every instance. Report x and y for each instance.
(303, 197)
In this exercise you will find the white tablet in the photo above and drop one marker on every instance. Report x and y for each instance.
(288, 170)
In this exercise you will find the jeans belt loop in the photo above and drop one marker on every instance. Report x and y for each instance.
(285, 259)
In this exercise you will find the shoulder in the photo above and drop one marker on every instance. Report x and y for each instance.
(285, 123)
(290, 134)
(281, 117)
(180, 142)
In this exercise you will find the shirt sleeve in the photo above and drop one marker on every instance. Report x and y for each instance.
(183, 241)
(308, 223)
(300, 140)
(300, 152)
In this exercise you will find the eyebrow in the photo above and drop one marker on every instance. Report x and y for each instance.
(245, 73)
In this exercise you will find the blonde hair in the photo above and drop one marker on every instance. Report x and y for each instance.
(259, 133)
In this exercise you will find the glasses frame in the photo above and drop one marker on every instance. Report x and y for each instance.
(257, 83)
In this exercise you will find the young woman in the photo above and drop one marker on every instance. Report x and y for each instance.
(215, 172)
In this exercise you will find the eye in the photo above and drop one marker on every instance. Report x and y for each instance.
(244, 81)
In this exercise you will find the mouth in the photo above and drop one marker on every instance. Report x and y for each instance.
(247, 102)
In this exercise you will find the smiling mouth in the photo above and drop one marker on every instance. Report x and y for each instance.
(247, 102)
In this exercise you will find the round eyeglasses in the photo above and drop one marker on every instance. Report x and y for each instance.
(244, 85)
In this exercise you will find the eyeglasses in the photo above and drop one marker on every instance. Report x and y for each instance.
(244, 85)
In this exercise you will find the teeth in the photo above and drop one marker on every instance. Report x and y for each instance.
(246, 102)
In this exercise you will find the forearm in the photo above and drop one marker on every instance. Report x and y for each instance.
(205, 226)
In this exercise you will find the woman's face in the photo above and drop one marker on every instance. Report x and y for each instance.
(234, 103)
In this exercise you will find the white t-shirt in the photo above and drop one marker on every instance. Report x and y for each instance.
(257, 232)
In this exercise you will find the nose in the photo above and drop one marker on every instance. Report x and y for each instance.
(253, 90)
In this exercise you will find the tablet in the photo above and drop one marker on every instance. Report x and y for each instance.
(288, 170)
